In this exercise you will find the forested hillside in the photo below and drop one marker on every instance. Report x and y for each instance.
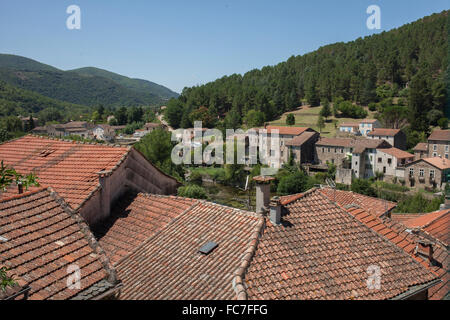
(134, 84)
(79, 88)
(400, 73)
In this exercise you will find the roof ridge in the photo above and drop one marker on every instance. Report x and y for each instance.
(93, 243)
(110, 145)
(239, 274)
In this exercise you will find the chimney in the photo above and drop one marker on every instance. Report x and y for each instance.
(428, 246)
(20, 187)
(262, 192)
(275, 210)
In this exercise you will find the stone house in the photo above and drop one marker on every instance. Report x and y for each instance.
(395, 137)
(439, 144)
(388, 161)
(430, 173)
(421, 151)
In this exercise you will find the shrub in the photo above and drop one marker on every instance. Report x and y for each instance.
(192, 191)
(293, 183)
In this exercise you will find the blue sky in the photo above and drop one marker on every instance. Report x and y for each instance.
(184, 43)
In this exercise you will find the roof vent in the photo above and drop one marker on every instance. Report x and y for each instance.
(208, 248)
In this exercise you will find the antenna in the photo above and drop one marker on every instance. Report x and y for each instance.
(332, 185)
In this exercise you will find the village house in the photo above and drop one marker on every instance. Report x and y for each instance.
(395, 137)
(368, 125)
(348, 127)
(89, 177)
(392, 162)
(429, 173)
(104, 132)
(439, 144)
(421, 151)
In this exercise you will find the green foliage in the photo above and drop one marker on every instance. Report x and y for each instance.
(350, 110)
(293, 183)
(9, 176)
(352, 71)
(363, 186)
(196, 178)
(320, 123)
(254, 119)
(443, 123)
(157, 148)
(5, 280)
(418, 203)
(290, 119)
(326, 110)
(192, 191)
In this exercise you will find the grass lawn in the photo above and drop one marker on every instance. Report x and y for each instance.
(307, 116)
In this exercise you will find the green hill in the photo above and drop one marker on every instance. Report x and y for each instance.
(133, 84)
(79, 87)
(374, 69)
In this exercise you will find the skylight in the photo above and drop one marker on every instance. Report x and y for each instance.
(208, 248)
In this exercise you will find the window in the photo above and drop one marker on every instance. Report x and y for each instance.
(389, 161)
(434, 154)
(446, 148)
(421, 172)
(434, 147)
(323, 150)
(329, 149)
(411, 171)
(446, 156)
(335, 150)
(432, 173)
(379, 160)
(342, 150)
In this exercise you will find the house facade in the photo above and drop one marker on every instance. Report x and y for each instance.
(429, 173)
(368, 125)
(395, 137)
(439, 144)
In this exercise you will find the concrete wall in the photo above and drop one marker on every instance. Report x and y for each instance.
(136, 174)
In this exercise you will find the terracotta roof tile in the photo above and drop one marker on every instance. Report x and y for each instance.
(294, 131)
(399, 154)
(440, 135)
(384, 132)
(301, 139)
(421, 146)
(440, 163)
(43, 238)
(321, 251)
(135, 219)
(375, 206)
(70, 168)
(171, 256)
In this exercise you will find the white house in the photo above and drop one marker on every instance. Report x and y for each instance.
(367, 125)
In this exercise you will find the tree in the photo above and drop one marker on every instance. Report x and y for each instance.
(420, 101)
(174, 113)
(320, 123)
(290, 119)
(363, 186)
(443, 123)
(293, 183)
(121, 116)
(326, 111)
(312, 96)
(192, 191)
(9, 176)
(254, 119)
(393, 115)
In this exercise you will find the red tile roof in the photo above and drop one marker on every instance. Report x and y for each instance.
(69, 167)
(384, 132)
(421, 146)
(397, 153)
(294, 131)
(134, 219)
(377, 207)
(358, 145)
(321, 251)
(43, 239)
(301, 139)
(368, 121)
(435, 223)
(440, 135)
(338, 142)
(440, 163)
(168, 264)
